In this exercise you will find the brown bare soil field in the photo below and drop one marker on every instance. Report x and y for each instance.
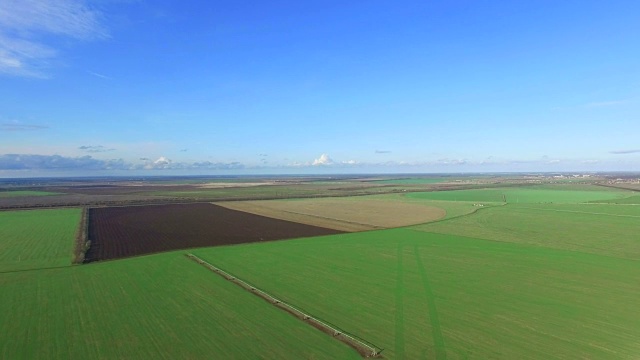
(345, 214)
(117, 232)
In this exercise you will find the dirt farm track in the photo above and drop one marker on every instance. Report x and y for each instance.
(117, 232)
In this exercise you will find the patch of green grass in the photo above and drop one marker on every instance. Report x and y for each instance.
(520, 195)
(33, 239)
(611, 231)
(241, 192)
(576, 187)
(17, 193)
(426, 295)
(453, 208)
(412, 181)
(156, 307)
(588, 208)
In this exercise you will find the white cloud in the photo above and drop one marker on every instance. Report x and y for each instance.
(24, 24)
(98, 75)
(162, 161)
(17, 126)
(452, 161)
(324, 159)
(623, 152)
(95, 148)
(217, 166)
(600, 104)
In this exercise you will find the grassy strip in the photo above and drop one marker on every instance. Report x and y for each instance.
(82, 242)
(522, 195)
(20, 193)
(365, 348)
(152, 307)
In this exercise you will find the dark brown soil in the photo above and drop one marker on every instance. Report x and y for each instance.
(118, 232)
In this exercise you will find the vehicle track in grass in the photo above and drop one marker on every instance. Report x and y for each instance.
(438, 339)
(399, 320)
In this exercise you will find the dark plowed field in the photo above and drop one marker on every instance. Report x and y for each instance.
(136, 230)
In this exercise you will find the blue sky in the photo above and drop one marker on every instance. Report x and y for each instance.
(222, 87)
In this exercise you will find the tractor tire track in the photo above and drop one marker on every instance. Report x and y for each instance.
(399, 320)
(438, 339)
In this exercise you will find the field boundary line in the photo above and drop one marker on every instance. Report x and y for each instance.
(583, 212)
(35, 269)
(81, 243)
(474, 212)
(365, 348)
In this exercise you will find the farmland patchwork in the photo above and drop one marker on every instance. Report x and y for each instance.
(505, 273)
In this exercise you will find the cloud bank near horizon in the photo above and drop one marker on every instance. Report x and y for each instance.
(324, 163)
(89, 163)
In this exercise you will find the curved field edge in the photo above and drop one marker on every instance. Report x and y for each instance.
(420, 294)
(346, 214)
(31, 239)
(629, 200)
(158, 306)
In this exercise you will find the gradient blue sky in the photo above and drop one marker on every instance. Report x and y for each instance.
(251, 87)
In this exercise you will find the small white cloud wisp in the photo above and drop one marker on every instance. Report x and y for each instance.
(26, 27)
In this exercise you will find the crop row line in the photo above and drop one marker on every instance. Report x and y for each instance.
(364, 347)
